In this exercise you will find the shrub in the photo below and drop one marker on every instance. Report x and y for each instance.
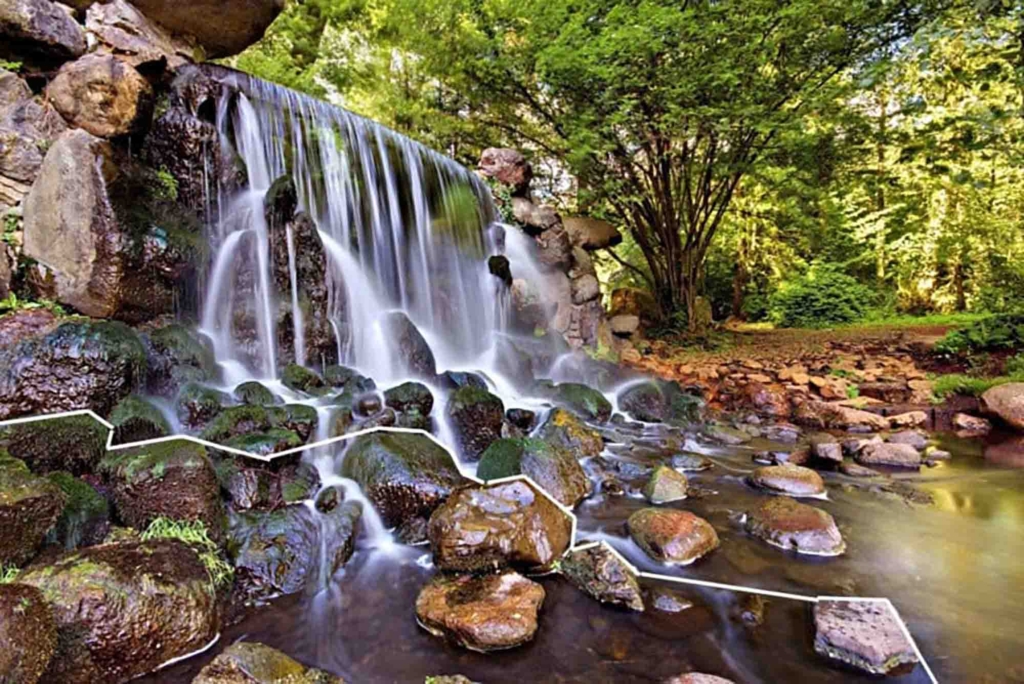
(995, 333)
(824, 297)
(193, 532)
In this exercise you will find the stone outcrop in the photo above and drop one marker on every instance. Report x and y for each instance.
(121, 29)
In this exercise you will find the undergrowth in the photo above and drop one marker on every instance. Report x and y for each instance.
(954, 384)
(194, 533)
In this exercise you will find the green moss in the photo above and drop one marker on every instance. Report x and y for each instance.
(300, 379)
(254, 394)
(470, 395)
(84, 506)
(136, 419)
(194, 533)
(582, 400)
(151, 461)
(946, 386)
(503, 458)
(266, 443)
(189, 352)
(73, 443)
(8, 573)
(238, 420)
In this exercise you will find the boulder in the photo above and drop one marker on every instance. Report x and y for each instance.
(221, 27)
(29, 508)
(863, 634)
(792, 480)
(247, 662)
(892, 455)
(254, 393)
(665, 486)
(823, 415)
(103, 95)
(70, 443)
(1006, 402)
(552, 468)
(409, 346)
(28, 127)
(494, 526)
(914, 438)
(624, 325)
(406, 476)
(301, 379)
(968, 425)
(767, 399)
(791, 525)
(554, 249)
(28, 632)
(249, 426)
(198, 405)
(124, 609)
(635, 302)
(592, 234)
(410, 396)
(911, 419)
(265, 486)
(476, 417)
(825, 447)
(524, 419)
(586, 402)
(135, 419)
(121, 29)
(601, 574)
(176, 355)
(645, 402)
(534, 218)
(85, 520)
(39, 32)
(585, 288)
(486, 613)
(13, 89)
(563, 429)
(672, 536)
(508, 167)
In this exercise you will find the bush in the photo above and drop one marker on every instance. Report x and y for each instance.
(996, 333)
(824, 297)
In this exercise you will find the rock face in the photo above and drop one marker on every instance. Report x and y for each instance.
(406, 476)
(28, 633)
(893, 455)
(600, 574)
(791, 525)
(487, 527)
(476, 416)
(29, 507)
(863, 634)
(788, 479)
(508, 167)
(554, 469)
(247, 662)
(1006, 402)
(672, 536)
(123, 609)
(222, 28)
(103, 95)
(488, 613)
(39, 31)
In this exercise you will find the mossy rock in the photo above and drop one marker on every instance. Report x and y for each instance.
(255, 394)
(252, 663)
(414, 420)
(72, 443)
(341, 376)
(177, 356)
(554, 469)
(85, 520)
(301, 419)
(685, 408)
(135, 419)
(301, 379)
(28, 633)
(241, 420)
(563, 429)
(29, 508)
(266, 443)
(453, 380)
(584, 401)
(197, 405)
(665, 485)
(476, 416)
(410, 396)
(644, 402)
(255, 485)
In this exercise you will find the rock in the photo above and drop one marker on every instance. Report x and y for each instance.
(672, 536)
(724, 434)
(971, 425)
(70, 443)
(668, 601)
(197, 405)
(476, 416)
(552, 468)
(863, 634)
(254, 393)
(601, 574)
(853, 446)
(912, 419)
(28, 127)
(791, 525)
(13, 89)
(450, 679)
(122, 30)
(824, 447)
(410, 396)
(300, 379)
(767, 399)
(896, 392)
(135, 419)
(28, 632)
(508, 167)
(565, 430)
(644, 402)
(488, 613)
(554, 249)
(494, 526)
(788, 479)
(524, 419)
(665, 486)
(824, 415)
(40, 32)
(535, 219)
(585, 288)
(854, 470)
(914, 438)
(103, 95)
(697, 678)
(247, 662)
(124, 609)
(587, 403)
(29, 508)
(894, 455)
(175, 356)
(265, 485)
(624, 325)
(234, 425)
(222, 28)
(1006, 402)
(85, 520)
(592, 234)
(172, 479)
(410, 347)
(688, 463)
(279, 552)
(406, 476)
(498, 266)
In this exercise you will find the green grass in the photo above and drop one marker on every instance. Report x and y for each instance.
(908, 321)
(193, 532)
(945, 386)
(8, 573)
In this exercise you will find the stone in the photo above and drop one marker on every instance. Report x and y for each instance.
(971, 425)
(914, 438)
(124, 609)
(554, 249)
(624, 325)
(824, 447)
(524, 419)
(534, 218)
(645, 402)
(636, 302)
(665, 486)
(672, 536)
(103, 95)
(911, 419)
(508, 167)
(197, 405)
(892, 455)
(564, 429)
(410, 347)
(552, 468)
(789, 479)
(39, 32)
(175, 356)
(488, 613)
(494, 526)
(854, 470)
(124, 31)
(476, 416)
(863, 634)
(823, 415)
(85, 520)
(601, 574)
(724, 434)
(766, 398)
(790, 525)
(697, 678)
(29, 507)
(592, 234)
(584, 401)
(853, 446)
(254, 393)
(406, 476)
(221, 27)
(28, 127)
(28, 632)
(301, 379)
(247, 662)
(73, 444)
(1006, 402)
(585, 289)
(410, 396)
(13, 89)
(136, 419)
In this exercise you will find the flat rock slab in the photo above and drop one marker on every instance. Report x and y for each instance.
(672, 536)
(788, 479)
(863, 634)
(791, 525)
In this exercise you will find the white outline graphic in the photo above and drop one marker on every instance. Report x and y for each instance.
(572, 516)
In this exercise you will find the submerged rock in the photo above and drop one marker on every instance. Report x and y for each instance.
(791, 525)
(29, 508)
(481, 613)
(913, 438)
(74, 444)
(28, 632)
(893, 455)
(672, 536)
(493, 526)
(863, 634)
(602, 575)
(554, 469)
(788, 479)
(644, 402)
(565, 430)
(665, 485)
(247, 662)
(476, 416)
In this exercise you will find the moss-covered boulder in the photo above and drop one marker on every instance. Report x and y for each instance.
(476, 416)
(644, 401)
(176, 356)
(685, 407)
(124, 609)
(410, 396)
(29, 508)
(172, 479)
(406, 476)
(301, 379)
(247, 662)
(266, 443)
(256, 485)
(254, 393)
(563, 429)
(245, 421)
(135, 419)
(584, 401)
(85, 520)
(28, 633)
(197, 405)
(453, 380)
(553, 468)
(74, 444)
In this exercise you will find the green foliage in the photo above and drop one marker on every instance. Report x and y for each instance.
(1015, 365)
(195, 534)
(946, 386)
(10, 66)
(15, 303)
(824, 297)
(8, 573)
(995, 333)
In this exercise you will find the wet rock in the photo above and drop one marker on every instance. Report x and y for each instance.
(916, 439)
(893, 455)
(121, 29)
(565, 430)
(672, 536)
(25, 324)
(278, 552)
(523, 419)
(592, 234)
(300, 379)
(852, 447)
(535, 219)
(265, 486)
(103, 95)
(476, 416)
(72, 443)
(697, 678)
(913, 419)
(791, 525)
(552, 468)
(971, 425)
(644, 402)
(221, 28)
(410, 347)
(198, 405)
(253, 393)
(28, 632)
(239, 422)
(450, 679)
(788, 479)
(85, 520)
(751, 610)
(453, 380)
(499, 267)
(862, 634)
(40, 32)
(487, 527)
(690, 463)
(508, 167)
(782, 432)
(124, 609)
(554, 251)
(266, 442)
(1006, 402)
(404, 475)
(723, 434)
(665, 486)
(825, 447)
(248, 662)
(602, 575)
(368, 404)
(767, 399)
(824, 415)
(854, 470)
(587, 403)
(668, 601)
(171, 480)
(135, 419)
(410, 396)
(487, 613)
(29, 508)
(176, 356)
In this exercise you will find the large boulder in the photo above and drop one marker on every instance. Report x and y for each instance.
(535, 219)
(29, 508)
(222, 27)
(1006, 402)
(481, 613)
(247, 662)
(672, 536)
(121, 29)
(584, 401)
(103, 95)
(409, 347)
(406, 476)
(28, 632)
(563, 429)
(866, 635)
(592, 234)
(488, 527)
(476, 417)
(552, 468)
(265, 486)
(28, 126)
(508, 167)
(824, 415)
(791, 525)
(175, 356)
(602, 575)
(85, 520)
(135, 419)
(585, 288)
(644, 401)
(70, 443)
(789, 479)
(39, 32)
(124, 609)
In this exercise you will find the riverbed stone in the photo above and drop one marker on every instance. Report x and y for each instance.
(198, 405)
(832, 415)
(862, 634)
(911, 419)
(493, 526)
(892, 455)
(103, 95)
(565, 430)
(969, 425)
(29, 508)
(665, 486)
(476, 416)
(914, 438)
(248, 662)
(790, 525)
(40, 32)
(825, 448)
(788, 479)
(552, 468)
(28, 632)
(1006, 402)
(672, 536)
(602, 575)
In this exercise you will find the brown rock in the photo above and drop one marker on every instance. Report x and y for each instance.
(602, 575)
(124, 31)
(788, 524)
(697, 678)
(971, 425)
(624, 325)
(508, 167)
(788, 479)
(854, 470)
(247, 662)
(27, 129)
(592, 234)
(863, 634)
(222, 27)
(665, 486)
(831, 415)
(672, 536)
(554, 249)
(29, 508)
(39, 32)
(103, 95)
(534, 218)
(912, 419)
(28, 633)
(893, 455)
(767, 399)
(1006, 402)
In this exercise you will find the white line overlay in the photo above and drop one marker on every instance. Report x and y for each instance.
(517, 478)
